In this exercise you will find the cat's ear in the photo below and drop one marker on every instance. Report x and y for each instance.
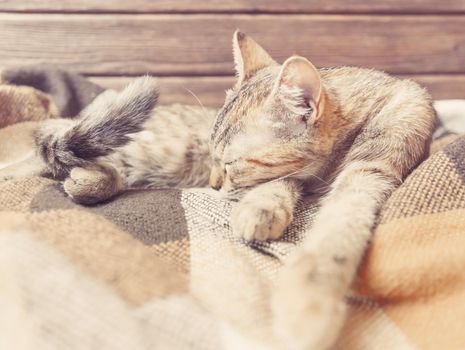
(299, 83)
(249, 57)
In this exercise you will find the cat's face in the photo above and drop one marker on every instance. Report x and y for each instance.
(267, 126)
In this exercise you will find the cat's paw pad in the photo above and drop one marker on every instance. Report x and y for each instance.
(308, 314)
(259, 221)
(88, 186)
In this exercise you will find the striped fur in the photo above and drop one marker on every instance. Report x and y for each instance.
(100, 128)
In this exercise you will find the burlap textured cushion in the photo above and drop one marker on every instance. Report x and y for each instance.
(147, 246)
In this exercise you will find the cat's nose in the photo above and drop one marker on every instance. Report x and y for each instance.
(216, 187)
(216, 180)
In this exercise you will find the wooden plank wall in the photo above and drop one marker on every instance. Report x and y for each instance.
(188, 43)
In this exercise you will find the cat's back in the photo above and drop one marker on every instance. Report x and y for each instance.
(171, 150)
(364, 84)
(384, 113)
(366, 93)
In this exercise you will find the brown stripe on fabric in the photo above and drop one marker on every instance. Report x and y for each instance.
(456, 153)
(440, 143)
(176, 253)
(435, 186)
(433, 323)
(10, 220)
(17, 195)
(151, 216)
(365, 317)
(415, 258)
(109, 254)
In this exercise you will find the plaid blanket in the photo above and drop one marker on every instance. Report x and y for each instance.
(160, 269)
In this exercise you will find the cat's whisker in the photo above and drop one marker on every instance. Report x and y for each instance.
(198, 100)
(319, 178)
(285, 176)
(297, 172)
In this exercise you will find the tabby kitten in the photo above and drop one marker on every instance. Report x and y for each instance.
(289, 128)
(350, 133)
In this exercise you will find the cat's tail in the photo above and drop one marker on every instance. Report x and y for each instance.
(100, 128)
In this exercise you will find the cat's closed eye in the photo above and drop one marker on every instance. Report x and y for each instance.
(307, 115)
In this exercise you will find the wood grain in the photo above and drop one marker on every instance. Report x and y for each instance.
(210, 90)
(235, 6)
(200, 44)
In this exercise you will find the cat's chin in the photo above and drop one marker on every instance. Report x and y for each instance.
(234, 196)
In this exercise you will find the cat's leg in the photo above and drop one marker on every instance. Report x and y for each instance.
(93, 184)
(308, 304)
(266, 210)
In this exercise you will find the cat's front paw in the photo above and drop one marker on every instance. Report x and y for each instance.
(308, 312)
(260, 219)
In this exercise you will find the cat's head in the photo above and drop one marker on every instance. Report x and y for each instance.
(268, 125)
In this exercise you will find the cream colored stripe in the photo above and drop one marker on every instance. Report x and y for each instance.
(231, 279)
(416, 257)
(53, 305)
(49, 304)
(368, 328)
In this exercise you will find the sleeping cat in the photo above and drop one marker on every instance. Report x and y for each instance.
(351, 134)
